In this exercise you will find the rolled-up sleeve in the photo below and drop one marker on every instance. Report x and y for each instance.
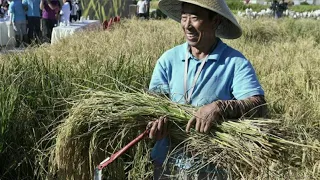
(245, 82)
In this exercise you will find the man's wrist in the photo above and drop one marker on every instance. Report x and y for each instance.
(217, 111)
(219, 108)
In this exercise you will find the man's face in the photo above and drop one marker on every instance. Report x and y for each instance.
(196, 24)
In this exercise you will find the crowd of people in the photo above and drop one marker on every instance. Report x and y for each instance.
(34, 20)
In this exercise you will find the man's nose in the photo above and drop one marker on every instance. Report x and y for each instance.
(187, 24)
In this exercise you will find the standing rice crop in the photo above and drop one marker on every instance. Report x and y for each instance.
(285, 55)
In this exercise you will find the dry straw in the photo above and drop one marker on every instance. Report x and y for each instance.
(101, 122)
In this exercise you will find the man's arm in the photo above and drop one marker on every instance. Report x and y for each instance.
(11, 19)
(51, 6)
(138, 7)
(249, 100)
(146, 7)
(159, 81)
(254, 106)
(218, 111)
(42, 4)
(159, 85)
(249, 95)
(11, 12)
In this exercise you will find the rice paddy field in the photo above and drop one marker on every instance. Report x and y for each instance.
(65, 107)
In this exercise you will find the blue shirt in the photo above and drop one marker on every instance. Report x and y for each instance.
(226, 75)
(18, 13)
(33, 7)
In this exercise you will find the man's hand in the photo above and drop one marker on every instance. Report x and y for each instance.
(159, 128)
(205, 118)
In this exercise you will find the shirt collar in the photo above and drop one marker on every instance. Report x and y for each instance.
(214, 55)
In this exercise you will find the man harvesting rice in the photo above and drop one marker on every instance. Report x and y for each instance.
(203, 72)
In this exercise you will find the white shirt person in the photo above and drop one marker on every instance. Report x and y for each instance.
(142, 6)
(65, 11)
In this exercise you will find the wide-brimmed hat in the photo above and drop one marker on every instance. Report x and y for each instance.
(228, 28)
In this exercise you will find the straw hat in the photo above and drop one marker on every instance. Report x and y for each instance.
(229, 27)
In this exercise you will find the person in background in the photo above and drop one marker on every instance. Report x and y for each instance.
(274, 7)
(283, 6)
(50, 15)
(18, 19)
(142, 8)
(73, 15)
(5, 8)
(65, 11)
(278, 8)
(148, 8)
(2, 11)
(78, 9)
(34, 18)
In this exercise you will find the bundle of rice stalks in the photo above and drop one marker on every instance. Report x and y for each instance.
(102, 122)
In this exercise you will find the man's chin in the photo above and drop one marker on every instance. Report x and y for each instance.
(192, 43)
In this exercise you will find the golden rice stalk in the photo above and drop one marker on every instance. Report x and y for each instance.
(102, 122)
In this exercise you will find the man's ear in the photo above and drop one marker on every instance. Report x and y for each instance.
(217, 21)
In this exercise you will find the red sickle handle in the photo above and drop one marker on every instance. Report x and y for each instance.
(124, 149)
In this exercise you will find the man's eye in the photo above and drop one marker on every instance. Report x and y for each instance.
(194, 17)
(183, 17)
